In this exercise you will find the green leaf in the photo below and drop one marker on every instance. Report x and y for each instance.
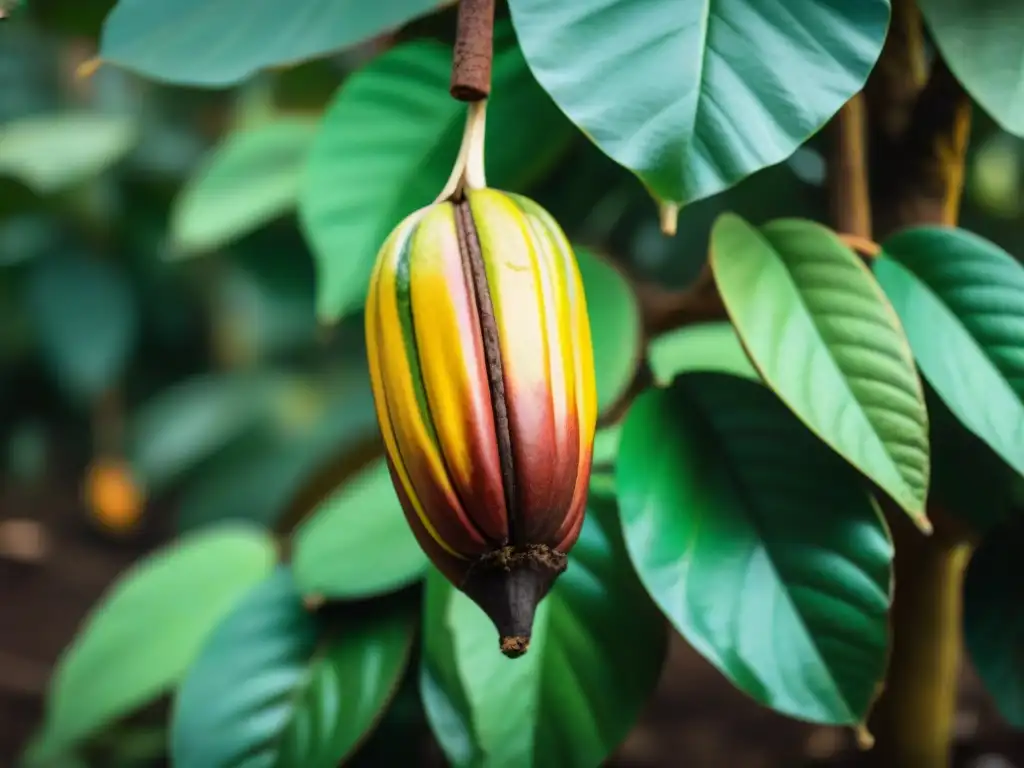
(615, 330)
(821, 332)
(85, 319)
(357, 542)
(994, 618)
(703, 347)
(759, 544)
(594, 658)
(961, 300)
(222, 42)
(386, 147)
(249, 180)
(256, 478)
(981, 44)
(141, 638)
(51, 152)
(186, 423)
(276, 686)
(676, 92)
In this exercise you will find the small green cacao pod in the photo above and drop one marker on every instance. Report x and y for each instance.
(483, 380)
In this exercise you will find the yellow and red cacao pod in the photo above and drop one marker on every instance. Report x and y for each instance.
(483, 380)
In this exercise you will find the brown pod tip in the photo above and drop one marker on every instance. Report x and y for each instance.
(508, 584)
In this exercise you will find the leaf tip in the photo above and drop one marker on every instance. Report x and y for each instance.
(88, 68)
(668, 218)
(924, 525)
(864, 737)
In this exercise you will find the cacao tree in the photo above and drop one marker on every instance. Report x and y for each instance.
(644, 318)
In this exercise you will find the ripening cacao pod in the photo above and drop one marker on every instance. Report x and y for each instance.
(483, 380)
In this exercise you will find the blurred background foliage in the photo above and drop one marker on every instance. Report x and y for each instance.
(160, 355)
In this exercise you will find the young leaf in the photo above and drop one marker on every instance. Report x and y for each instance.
(759, 544)
(85, 319)
(249, 180)
(357, 543)
(595, 656)
(614, 326)
(278, 687)
(148, 628)
(994, 618)
(982, 45)
(961, 300)
(388, 143)
(222, 42)
(51, 152)
(823, 336)
(674, 91)
(703, 347)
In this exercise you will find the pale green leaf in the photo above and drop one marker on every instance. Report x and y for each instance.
(825, 339)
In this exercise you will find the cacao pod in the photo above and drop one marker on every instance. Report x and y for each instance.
(483, 379)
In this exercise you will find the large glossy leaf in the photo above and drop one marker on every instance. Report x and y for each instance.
(85, 319)
(221, 42)
(824, 337)
(50, 152)
(994, 618)
(594, 658)
(694, 96)
(141, 638)
(278, 687)
(615, 329)
(249, 180)
(357, 542)
(759, 544)
(961, 300)
(388, 143)
(979, 41)
(703, 347)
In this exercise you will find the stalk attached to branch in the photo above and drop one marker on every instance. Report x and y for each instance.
(474, 51)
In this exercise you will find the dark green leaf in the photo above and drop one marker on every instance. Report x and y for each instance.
(222, 42)
(594, 658)
(677, 91)
(994, 618)
(249, 180)
(969, 480)
(50, 152)
(357, 542)
(981, 44)
(961, 300)
(821, 332)
(702, 347)
(276, 687)
(615, 329)
(387, 145)
(141, 638)
(85, 319)
(759, 543)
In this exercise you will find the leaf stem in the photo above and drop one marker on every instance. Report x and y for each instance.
(474, 51)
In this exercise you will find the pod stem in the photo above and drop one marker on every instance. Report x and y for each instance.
(468, 171)
(474, 51)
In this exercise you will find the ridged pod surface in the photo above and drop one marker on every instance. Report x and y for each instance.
(483, 380)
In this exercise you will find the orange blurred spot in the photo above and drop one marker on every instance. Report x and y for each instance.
(114, 498)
